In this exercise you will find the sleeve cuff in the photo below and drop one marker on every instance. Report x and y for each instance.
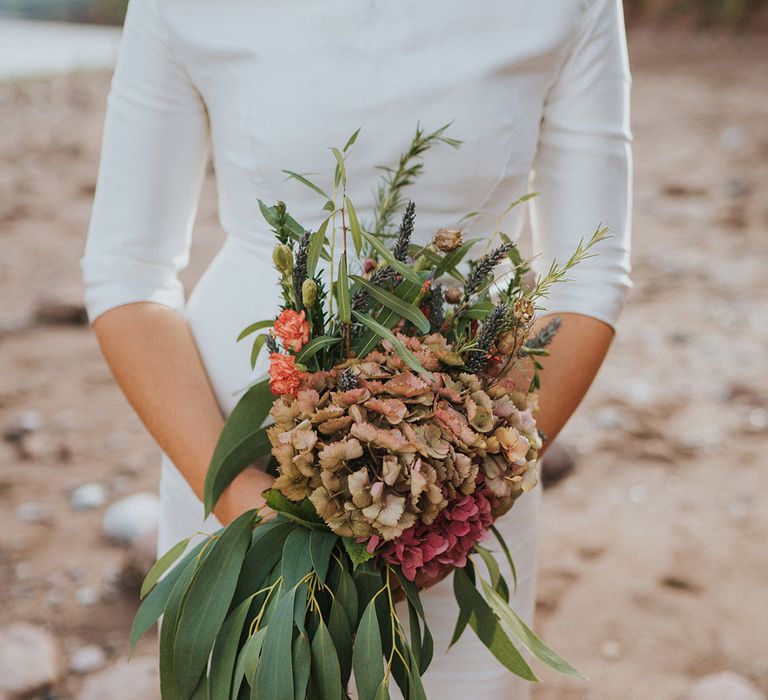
(111, 282)
(604, 302)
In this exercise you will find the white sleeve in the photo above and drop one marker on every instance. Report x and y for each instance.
(583, 168)
(152, 164)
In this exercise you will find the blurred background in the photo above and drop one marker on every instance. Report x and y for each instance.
(654, 565)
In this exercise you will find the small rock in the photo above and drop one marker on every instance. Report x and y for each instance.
(87, 596)
(27, 422)
(87, 659)
(610, 649)
(88, 496)
(32, 512)
(758, 419)
(125, 680)
(58, 312)
(30, 660)
(557, 463)
(723, 686)
(638, 494)
(130, 518)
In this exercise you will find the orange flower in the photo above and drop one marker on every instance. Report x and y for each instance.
(293, 329)
(284, 377)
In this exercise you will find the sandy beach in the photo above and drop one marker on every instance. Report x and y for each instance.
(654, 566)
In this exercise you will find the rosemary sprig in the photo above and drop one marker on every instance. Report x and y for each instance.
(394, 180)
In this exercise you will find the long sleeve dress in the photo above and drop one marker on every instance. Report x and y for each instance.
(537, 92)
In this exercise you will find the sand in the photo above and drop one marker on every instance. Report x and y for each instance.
(654, 568)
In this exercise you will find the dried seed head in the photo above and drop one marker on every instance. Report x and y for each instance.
(452, 295)
(283, 258)
(447, 239)
(523, 310)
(308, 293)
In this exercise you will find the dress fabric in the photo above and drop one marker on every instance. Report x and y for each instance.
(537, 92)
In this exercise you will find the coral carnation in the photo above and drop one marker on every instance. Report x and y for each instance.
(293, 329)
(284, 377)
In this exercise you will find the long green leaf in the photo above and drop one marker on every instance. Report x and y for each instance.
(241, 442)
(497, 579)
(351, 140)
(248, 330)
(405, 354)
(516, 625)
(403, 309)
(294, 228)
(162, 565)
(342, 290)
(307, 182)
(225, 649)
(414, 601)
(303, 512)
(504, 548)
(321, 545)
(207, 600)
(297, 557)
(354, 225)
(367, 655)
(316, 243)
(341, 170)
(407, 272)
(274, 677)
(153, 605)
(341, 633)
(488, 628)
(250, 655)
(325, 672)
(258, 344)
(302, 662)
(265, 551)
(316, 345)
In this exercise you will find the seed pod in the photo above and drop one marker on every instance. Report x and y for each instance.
(447, 239)
(308, 293)
(523, 310)
(283, 258)
(452, 295)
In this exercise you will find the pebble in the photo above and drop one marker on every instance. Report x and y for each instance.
(87, 596)
(88, 496)
(723, 686)
(32, 512)
(758, 419)
(610, 649)
(124, 680)
(51, 311)
(87, 659)
(30, 660)
(27, 422)
(129, 518)
(558, 462)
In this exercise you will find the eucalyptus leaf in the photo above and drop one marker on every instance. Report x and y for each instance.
(265, 551)
(251, 654)
(403, 309)
(367, 655)
(162, 565)
(404, 353)
(504, 548)
(497, 579)
(297, 559)
(225, 648)
(302, 662)
(316, 243)
(321, 545)
(302, 512)
(307, 182)
(242, 441)
(516, 625)
(488, 628)
(274, 676)
(153, 605)
(341, 170)
(207, 600)
(346, 595)
(341, 634)
(325, 673)
(351, 140)
(357, 552)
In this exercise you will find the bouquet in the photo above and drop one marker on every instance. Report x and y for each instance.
(398, 430)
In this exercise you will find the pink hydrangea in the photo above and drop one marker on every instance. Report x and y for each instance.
(428, 549)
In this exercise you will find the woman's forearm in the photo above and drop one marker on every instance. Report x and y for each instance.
(154, 359)
(576, 353)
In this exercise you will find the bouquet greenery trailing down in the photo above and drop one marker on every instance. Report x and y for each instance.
(398, 434)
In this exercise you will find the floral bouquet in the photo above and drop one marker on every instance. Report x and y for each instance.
(399, 432)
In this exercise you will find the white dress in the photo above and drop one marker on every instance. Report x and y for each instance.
(537, 91)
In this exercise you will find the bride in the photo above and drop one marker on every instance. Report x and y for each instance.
(537, 91)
